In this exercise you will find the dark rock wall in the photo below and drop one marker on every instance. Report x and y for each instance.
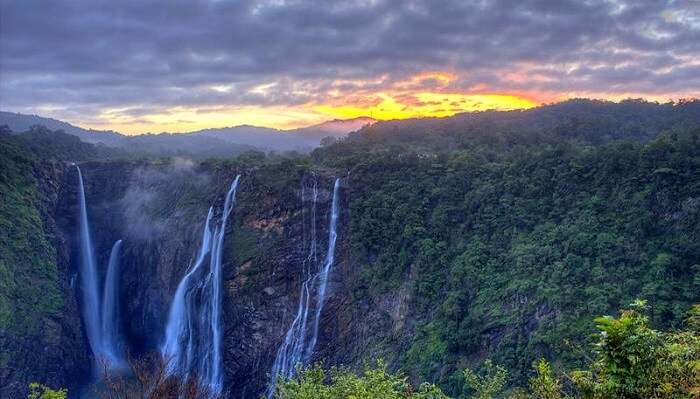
(56, 356)
(158, 210)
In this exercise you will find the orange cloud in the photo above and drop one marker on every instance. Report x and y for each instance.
(427, 94)
(427, 104)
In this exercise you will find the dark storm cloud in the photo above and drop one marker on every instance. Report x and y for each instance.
(89, 55)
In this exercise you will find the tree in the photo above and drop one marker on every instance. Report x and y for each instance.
(375, 382)
(634, 361)
(39, 391)
(544, 385)
(489, 383)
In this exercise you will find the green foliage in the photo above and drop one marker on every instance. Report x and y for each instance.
(631, 361)
(375, 382)
(635, 361)
(28, 273)
(57, 145)
(488, 384)
(544, 385)
(510, 255)
(38, 391)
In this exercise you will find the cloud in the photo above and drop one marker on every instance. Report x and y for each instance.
(135, 57)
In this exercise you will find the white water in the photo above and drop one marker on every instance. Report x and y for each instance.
(110, 312)
(88, 279)
(330, 258)
(192, 345)
(101, 318)
(297, 347)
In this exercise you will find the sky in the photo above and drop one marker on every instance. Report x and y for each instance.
(179, 65)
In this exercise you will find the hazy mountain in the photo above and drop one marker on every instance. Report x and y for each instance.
(260, 137)
(301, 139)
(207, 142)
(22, 123)
(334, 128)
(343, 126)
(185, 145)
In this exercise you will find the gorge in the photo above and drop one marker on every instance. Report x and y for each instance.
(433, 252)
(374, 199)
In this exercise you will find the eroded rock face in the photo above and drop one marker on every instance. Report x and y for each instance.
(56, 355)
(158, 210)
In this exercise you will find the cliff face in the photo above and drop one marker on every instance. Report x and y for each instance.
(158, 210)
(44, 339)
(439, 264)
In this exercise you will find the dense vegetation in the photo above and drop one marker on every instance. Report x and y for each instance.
(508, 252)
(29, 293)
(580, 121)
(503, 235)
(631, 360)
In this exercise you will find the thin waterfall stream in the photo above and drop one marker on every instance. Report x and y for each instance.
(111, 349)
(300, 340)
(88, 277)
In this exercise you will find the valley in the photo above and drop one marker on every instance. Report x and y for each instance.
(433, 252)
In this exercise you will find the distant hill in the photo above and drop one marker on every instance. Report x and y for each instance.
(335, 128)
(184, 145)
(301, 139)
(22, 123)
(259, 137)
(342, 126)
(584, 121)
(216, 142)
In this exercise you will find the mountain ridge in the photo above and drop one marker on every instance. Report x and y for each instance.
(266, 138)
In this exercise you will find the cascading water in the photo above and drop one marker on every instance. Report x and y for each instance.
(100, 317)
(298, 346)
(88, 278)
(110, 312)
(192, 345)
(330, 258)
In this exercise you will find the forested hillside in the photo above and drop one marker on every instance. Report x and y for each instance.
(581, 121)
(512, 257)
(494, 236)
(36, 316)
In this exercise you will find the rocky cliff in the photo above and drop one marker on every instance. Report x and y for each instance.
(43, 340)
(442, 261)
(159, 209)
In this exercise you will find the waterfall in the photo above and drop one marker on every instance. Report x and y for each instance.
(330, 258)
(192, 345)
(110, 312)
(101, 318)
(88, 278)
(298, 346)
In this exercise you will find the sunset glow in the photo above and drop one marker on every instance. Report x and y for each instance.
(418, 105)
(408, 99)
(140, 68)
